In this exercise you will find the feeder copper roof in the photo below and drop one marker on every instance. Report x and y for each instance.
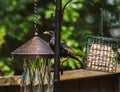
(33, 49)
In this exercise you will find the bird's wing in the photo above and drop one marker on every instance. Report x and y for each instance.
(67, 48)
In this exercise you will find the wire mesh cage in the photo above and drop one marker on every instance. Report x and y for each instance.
(101, 53)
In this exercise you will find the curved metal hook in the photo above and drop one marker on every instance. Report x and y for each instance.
(66, 5)
(89, 1)
(62, 12)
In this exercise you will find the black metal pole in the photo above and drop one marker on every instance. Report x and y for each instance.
(58, 18)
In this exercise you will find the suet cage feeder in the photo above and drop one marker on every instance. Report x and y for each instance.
(101, 52)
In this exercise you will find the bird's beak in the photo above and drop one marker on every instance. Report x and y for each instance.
(46, 33)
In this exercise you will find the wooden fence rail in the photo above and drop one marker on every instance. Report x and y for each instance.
(74, 81)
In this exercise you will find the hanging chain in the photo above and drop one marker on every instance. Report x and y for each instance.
(100, 33)
(35, 16)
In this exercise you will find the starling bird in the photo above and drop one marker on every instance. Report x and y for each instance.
(66, 51)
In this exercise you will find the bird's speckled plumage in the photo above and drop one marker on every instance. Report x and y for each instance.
(66, 51)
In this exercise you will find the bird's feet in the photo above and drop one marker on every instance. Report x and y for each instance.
(61, 69)
(61, 65)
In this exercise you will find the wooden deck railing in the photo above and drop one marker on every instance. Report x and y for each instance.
(73, 81)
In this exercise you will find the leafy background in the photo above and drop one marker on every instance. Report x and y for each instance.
(81, 18)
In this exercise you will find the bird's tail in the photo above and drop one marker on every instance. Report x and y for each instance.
(77, 59)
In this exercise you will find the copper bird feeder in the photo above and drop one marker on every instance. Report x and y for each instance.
(35, 48)
(36, 55)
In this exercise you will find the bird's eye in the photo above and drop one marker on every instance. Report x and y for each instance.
(51, 32)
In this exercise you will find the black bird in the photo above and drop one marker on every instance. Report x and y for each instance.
(66, 51)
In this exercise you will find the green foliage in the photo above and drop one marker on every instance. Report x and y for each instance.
(5, 67)
(16, 27)
(2, 34)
